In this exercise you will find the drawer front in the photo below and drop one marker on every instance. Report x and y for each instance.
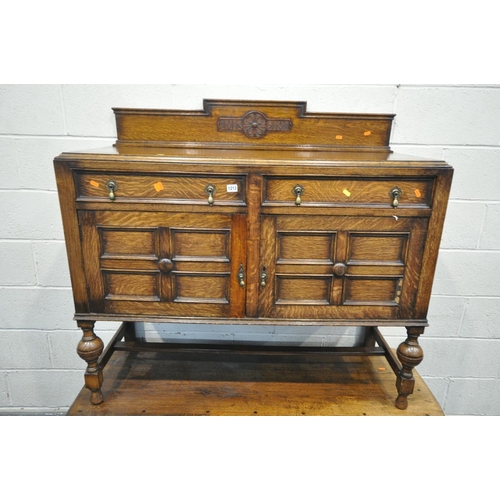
(161, 188)
(348, 191)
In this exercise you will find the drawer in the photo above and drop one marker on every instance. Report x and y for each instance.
(193, 189)
(348, 191)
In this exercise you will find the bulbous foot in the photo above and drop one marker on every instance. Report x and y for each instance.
(89, 349)
(410, 354)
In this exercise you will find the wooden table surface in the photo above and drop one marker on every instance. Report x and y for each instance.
(231, 384)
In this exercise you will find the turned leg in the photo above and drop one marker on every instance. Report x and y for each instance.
(410, 354)
(89, 349)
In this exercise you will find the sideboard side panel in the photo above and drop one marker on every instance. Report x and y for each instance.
(72, 236)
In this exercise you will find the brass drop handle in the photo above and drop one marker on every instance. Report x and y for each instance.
(263, 276)
(210, 190)
(241, 276)
(395, 193)
(112, 187)
(298, 191)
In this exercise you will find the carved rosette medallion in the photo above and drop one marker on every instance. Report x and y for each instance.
(254, 125)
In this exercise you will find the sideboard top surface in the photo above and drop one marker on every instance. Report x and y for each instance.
(124, 152)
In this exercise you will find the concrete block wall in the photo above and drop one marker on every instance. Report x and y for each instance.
(39, 369)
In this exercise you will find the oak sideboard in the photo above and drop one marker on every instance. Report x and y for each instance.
(252, 213)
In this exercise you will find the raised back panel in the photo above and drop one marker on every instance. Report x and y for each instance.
(254, 124)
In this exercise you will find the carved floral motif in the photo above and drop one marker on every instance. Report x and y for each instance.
(254, 125)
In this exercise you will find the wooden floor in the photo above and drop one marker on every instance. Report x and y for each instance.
(230, 384)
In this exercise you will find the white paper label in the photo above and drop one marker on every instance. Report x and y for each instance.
(232, 188)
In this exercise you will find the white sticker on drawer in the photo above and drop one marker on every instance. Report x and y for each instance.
(232, 188)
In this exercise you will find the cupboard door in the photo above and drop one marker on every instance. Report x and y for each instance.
(340, 267)
(164, 263)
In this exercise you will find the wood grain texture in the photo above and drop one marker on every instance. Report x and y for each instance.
(203, 252)
(239, 253)
(131, 286)
(379, 261)
(429, 259)
(237, 385)
(323, 130)
(161, 187)
(348, 191)
(254, 264)
(72, 235)
(120, 243)
(376, 247)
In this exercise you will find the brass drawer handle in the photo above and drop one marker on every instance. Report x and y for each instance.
(241, 276)
(210, 190)
(263, 276)
(298, 191)
(395, 193)
(112, 187)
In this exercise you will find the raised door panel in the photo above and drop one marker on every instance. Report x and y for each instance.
(164, 264)
(340, 267)
(375, 264)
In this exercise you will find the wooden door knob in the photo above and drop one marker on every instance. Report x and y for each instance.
(165, 266)
(339, 269)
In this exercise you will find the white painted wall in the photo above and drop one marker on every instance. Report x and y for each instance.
(39, 368)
